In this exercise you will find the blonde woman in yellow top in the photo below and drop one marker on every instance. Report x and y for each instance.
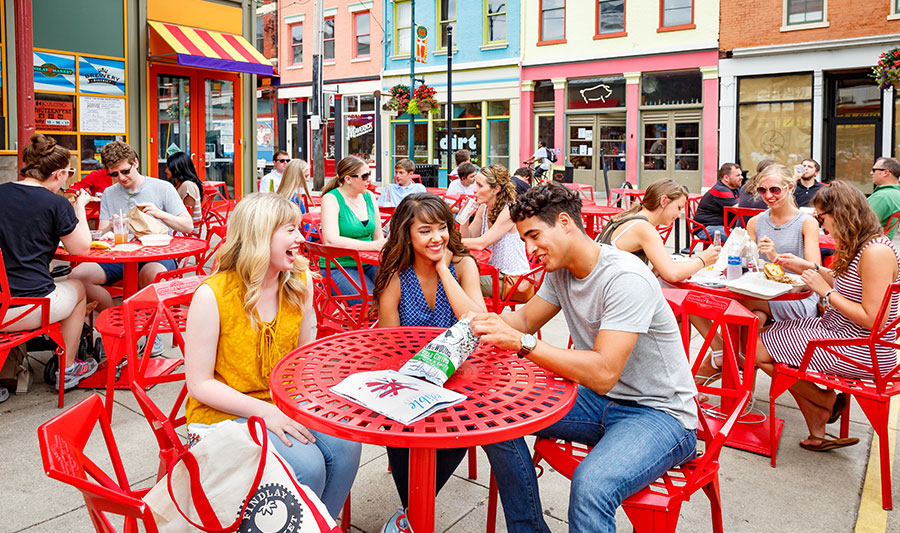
(253, 310)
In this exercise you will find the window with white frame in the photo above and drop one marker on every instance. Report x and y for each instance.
(446, 10)
(328, 39)
(361, 29)
(296, 44)
(495, 21)
(553, 20)
(677, 12)
(610, 16)
(403, 25)
(805, 11)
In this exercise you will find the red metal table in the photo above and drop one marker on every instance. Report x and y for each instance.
(754, 434)
(625, 195)
(596, 216)
(586, 191)
(507, 397)
(178, 248)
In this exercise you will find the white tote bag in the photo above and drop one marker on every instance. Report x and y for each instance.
(230, 482)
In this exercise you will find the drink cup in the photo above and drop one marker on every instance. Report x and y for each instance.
(120, 229)
(466, 211)
(717, 239)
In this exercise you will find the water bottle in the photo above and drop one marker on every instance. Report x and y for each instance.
(734, 269)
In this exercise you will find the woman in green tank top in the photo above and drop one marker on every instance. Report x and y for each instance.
(350, 220)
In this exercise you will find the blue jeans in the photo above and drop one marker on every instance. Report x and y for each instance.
(345, 287)
(328, 466)
(633, 446)
(712, 232)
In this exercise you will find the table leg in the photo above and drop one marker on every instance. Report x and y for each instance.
(421, 489)
(129, 279)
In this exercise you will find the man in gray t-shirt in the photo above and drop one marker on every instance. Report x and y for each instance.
(635, 396)
(155, 197)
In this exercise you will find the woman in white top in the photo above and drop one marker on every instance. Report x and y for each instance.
(491, 228)
(182, 174)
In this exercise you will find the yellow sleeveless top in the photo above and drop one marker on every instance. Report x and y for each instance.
(245, 357)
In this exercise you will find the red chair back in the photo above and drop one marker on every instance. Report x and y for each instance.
(892, 223)
(738, 216)
(496, 303)
(336, 312)
(665, 231)
(164, 425)
(67, 458)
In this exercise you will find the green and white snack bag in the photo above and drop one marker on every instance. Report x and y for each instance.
(437, 361)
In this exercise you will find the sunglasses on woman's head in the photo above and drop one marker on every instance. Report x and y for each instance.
(123, 172)
(820, 217)
(772, 190)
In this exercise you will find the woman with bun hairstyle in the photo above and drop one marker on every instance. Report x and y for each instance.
(427, 279)
(182, 174)
(253, 310)
(351, 220)
(293, 184)
(492, 229)
(852, 290)
(634, 230)
(33, 220)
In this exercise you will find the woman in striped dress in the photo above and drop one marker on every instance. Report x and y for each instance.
(852, 290)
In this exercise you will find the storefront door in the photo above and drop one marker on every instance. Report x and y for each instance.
(589, 134)
(193, 111)
(853, 128)
(671, 148)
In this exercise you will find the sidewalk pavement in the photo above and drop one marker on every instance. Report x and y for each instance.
(807, 491)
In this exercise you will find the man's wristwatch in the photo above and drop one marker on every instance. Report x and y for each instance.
(528, 341)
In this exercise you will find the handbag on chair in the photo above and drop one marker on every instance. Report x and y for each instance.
(232, 473)
(523, 292)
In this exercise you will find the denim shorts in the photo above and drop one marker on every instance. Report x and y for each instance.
(114, 271)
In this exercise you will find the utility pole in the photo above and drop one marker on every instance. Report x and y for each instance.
(411, 133)
(450, 161)
(318, 126)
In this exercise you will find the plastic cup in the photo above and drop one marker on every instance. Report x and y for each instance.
(96, 234)
(120, 229)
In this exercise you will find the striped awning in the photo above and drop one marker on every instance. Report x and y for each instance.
(194, 47)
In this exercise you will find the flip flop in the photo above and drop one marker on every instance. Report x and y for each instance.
(840, 403)
(825, 444)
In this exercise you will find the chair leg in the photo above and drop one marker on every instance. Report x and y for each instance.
(491, 525)
(715, 503)
(345, 516)
(878, 413)
(473, 463)
(55, 334)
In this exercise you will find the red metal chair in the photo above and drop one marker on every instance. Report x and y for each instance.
(892, 223)
(67, 458)
(657, 507)
(156, 309)
(200, 261)
(586, 191)
(738, 216)
(665, 231)
(496, 303)
(701, 236)
(9, 340)
(336, 312)
(874, 395)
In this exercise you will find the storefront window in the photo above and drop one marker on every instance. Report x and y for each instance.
(498, 109)
(543, 91)
(90, 150)
(612, 142)
(359, 128)
(595, 93)
(466, 136)
(265, 125)
(401, 141)
(655, 146)
(774, 119)
(498, 142)
(672, 88)
(687, 145)
(367, 103)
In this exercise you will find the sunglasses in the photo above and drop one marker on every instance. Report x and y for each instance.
(875, 169)
(283, 160)
(69, 171)
(820, 217)
(771, 190)
(365, 176)
(124, 172)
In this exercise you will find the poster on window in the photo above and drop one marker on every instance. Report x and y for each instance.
(101, 76)
(53, 115)
(54, 72)
(101, 115)
(779, 131)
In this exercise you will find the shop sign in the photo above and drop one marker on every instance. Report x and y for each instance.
(54, 72)
(460, 143)
(101, 76)
(99, 114)
(358, 131)
(53, 115)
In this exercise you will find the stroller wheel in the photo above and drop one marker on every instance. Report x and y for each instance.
(50, 370)
(99, 353)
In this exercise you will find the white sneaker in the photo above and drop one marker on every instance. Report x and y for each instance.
(397, 523)
(77, 372)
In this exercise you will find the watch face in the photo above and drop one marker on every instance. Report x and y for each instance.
(529, 342)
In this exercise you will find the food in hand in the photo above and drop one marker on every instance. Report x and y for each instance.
(100, 245)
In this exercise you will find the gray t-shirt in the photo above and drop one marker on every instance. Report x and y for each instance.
(621, 294)
(161, 193)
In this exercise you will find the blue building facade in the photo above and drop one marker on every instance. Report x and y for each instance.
(485, 80)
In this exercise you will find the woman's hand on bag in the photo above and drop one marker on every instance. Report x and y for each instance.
(283, 425)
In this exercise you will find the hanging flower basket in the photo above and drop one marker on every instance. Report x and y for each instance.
(399, 99)
(424, 98)
(887, 71)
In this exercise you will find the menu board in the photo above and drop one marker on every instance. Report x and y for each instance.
(101, 115)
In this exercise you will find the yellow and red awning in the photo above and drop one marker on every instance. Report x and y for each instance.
(195, 47)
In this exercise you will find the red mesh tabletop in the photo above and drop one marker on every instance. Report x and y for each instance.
(178, 248)
(372, 257)
(596, 216)
(507, 397)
